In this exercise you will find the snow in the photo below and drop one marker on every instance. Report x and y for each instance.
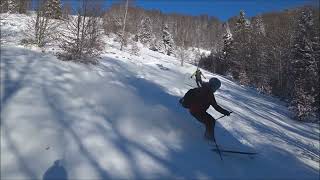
(121, 119)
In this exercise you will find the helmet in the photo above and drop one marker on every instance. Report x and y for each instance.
(214, 84)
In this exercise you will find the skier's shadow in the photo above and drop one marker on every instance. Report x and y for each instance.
(56, 171)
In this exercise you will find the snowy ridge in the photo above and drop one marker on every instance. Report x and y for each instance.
(121, 119)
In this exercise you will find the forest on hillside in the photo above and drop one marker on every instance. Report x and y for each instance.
(276, 53)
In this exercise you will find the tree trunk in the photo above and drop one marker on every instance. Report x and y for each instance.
(124, 26)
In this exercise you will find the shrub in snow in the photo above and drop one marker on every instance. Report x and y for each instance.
(182, 54)
(122, 38)
(27, 41)
(80, 40)
(134, 49)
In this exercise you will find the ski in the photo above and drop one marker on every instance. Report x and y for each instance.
(234, 152)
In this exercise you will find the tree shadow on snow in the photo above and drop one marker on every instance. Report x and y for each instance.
(11, 87)
(186, 162)
(65, 120)
(150, 94)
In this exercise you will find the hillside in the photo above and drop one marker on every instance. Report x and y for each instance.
(121, 119)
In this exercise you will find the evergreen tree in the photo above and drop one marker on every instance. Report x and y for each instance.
(305, 67)
(259, 72)
(145, 31)
(167, 40)
(277, 45)
(222, 65)
(134, 49)
(227, 44)
(240, 52)
(157, 44)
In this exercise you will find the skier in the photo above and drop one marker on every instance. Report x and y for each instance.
(198, 75)
(198, 100)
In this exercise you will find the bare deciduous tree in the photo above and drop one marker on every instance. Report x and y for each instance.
(182, 54)
(40, 29)
(123, 33)
(15, 6)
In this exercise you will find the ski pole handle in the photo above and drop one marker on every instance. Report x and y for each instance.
(220, 117)
(223, 116)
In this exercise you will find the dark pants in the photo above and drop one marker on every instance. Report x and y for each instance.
(199, 82)
(207, 120)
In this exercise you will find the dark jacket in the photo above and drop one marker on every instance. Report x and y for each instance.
(203, 98)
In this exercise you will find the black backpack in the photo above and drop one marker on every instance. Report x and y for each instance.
(189, 98)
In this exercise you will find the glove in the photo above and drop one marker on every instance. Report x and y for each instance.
(227, 113)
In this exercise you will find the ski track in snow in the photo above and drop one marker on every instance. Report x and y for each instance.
(121, 119)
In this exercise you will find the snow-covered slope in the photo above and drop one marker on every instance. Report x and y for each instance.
(121, 119)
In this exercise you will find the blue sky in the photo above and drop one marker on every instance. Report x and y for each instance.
(222, 9)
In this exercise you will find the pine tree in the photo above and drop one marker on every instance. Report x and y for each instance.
(227, 42)
(167, 40)
(240, 53)
(256, 68)
(157, 44)
(145, 31)
(305, 67)
(134, 49)
(224, 57)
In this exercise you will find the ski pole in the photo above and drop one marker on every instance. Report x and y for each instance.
(217, 147)
(222, 116)
(214, 139)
